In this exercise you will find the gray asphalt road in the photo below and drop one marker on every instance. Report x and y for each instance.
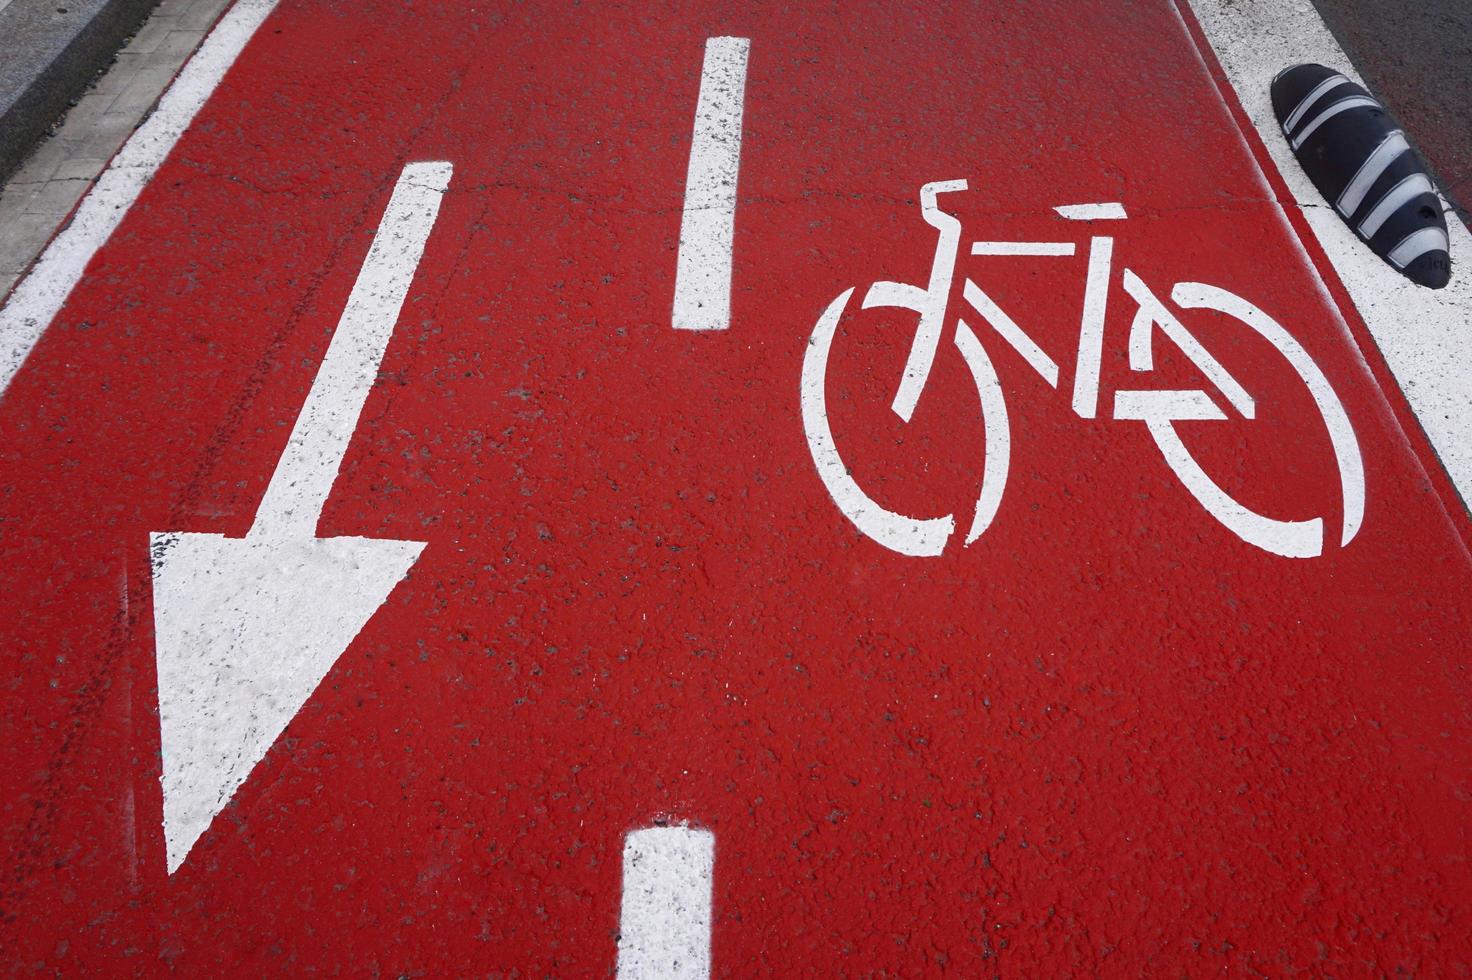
(1418, 58)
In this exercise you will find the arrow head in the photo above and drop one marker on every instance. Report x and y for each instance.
(245, 630)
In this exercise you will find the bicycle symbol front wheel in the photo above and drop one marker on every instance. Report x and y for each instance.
(1161, 410)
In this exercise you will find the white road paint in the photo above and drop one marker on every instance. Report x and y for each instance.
(1201, 296)
(1421, 332)
(309, 465)
(1091, 328)
(1013, 334)
(1159, 410)
(929, 302)
(1291, 539)
(897, 532)
(246, 628)
(996, 425)
(1023, 248)
(1106, 211)
(37, 298)
(1152, 311)
(665, 920)
(708, 226)
(921, 537)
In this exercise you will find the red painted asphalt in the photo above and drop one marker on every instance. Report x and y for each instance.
(1108, 736)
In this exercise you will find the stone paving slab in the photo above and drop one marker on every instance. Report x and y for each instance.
(50, 53)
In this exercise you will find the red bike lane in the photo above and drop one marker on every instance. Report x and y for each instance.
(1109, 735)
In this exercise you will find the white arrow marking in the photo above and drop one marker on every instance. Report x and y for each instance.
(246, 628)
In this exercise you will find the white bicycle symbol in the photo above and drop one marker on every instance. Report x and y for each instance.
(1158, 410)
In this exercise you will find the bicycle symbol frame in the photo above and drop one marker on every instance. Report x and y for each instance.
(1158, 410)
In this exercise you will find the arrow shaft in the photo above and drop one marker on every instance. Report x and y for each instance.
(319, 440)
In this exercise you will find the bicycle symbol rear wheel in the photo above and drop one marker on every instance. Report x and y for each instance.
(916, 536)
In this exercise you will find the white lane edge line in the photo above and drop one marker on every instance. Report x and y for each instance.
(40, 295)
(708, 224)
(665, 915)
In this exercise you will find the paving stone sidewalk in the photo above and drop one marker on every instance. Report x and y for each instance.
(41, 195)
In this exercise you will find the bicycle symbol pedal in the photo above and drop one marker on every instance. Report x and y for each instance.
(1157, 410)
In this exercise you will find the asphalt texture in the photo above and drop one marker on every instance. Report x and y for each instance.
(1417, 58)
(1127, 730)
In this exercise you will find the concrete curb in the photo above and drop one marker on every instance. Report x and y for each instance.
(54, 50)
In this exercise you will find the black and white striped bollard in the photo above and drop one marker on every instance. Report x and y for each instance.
(1361, 162)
